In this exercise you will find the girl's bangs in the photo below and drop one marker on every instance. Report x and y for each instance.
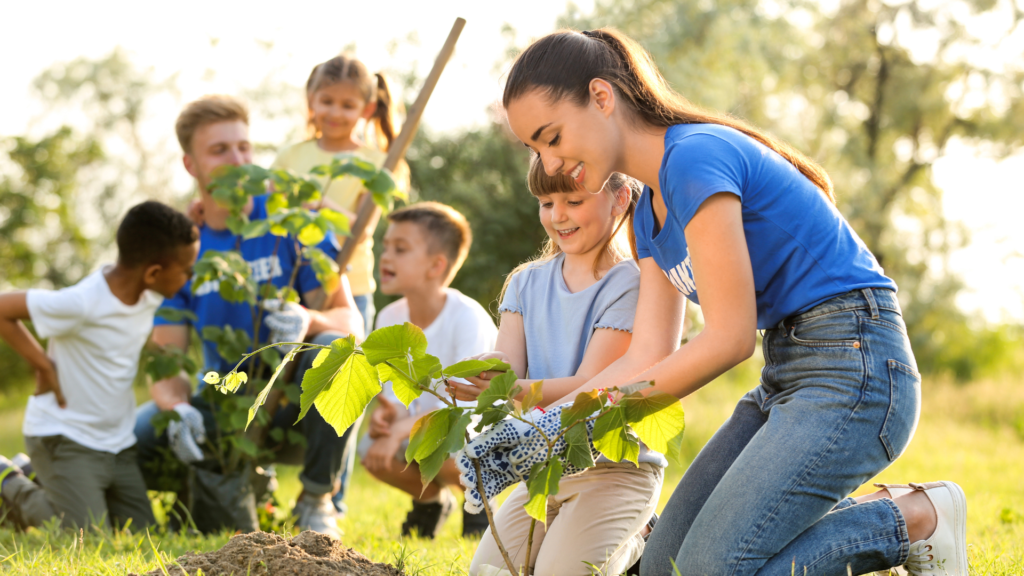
(541, 184)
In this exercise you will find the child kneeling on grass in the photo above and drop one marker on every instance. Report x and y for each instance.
(424, 246)
(79, 424)
(564, 318)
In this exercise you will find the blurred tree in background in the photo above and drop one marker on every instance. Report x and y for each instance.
(875, 92)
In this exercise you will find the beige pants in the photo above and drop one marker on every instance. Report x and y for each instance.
(596, 517)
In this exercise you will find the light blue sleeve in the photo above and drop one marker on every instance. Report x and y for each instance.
(510, 301)
(698, 167)
(623, 290)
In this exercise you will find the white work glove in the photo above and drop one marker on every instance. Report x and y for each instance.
(186, 435)
(288, 324)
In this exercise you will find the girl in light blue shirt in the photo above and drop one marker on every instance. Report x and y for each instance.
(564, 318)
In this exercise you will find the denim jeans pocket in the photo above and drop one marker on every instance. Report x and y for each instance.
(904, 409)
(835, 330)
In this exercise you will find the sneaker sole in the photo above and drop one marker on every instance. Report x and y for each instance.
(960, 518)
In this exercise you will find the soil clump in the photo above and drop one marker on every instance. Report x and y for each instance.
(265, 554)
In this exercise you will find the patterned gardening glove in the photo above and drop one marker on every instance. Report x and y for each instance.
(508, 451)
(185, 435)
(492, 449)
(288, 324)
(497, 475)
(533, 448)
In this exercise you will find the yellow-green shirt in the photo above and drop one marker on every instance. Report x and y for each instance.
(344, 192)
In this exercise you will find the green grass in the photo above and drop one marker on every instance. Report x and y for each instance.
(973, 434)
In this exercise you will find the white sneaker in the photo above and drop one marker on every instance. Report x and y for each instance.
(317, 513)
(945, 552)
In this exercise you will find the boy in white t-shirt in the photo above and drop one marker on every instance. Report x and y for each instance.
(79, 423)
(424, 246)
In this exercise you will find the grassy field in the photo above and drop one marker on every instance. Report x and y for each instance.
(973, 434)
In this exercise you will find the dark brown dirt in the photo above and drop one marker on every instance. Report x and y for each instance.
(264, 554)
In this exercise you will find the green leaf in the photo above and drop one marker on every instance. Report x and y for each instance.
(237, 223)
(585, 405)
(468, 368)
(353, 166)
(271, 357)
(543, 482)
(394, 342)
(325, 268)
(255, 229)
(325, 367)
(246, 446)
(338, 222)
(295, 438)
(533, 396)
(493, 415)
(384, 201)
(176, 314)
(381, 183)
(276, 202)
(428, 433)
(577, 450)
(613, 439)
(503, 388)
(311, 234)
(658, 419)
(351, 390)
(261, 398)
(407, 378)
(455, 439)
(405, 390)
(276, 434)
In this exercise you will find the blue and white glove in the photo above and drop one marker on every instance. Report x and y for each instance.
(287, 324)
(533, 448)
(507, 453)
(185, 435)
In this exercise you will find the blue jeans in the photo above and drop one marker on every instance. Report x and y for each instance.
(323, 457)
(839, 400)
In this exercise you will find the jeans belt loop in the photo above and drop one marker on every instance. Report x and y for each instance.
(869, 295)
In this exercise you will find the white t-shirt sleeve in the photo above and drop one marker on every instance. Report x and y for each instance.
(56, 312)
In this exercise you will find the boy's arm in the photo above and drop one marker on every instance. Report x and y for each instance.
(169, 392)
(14, 309)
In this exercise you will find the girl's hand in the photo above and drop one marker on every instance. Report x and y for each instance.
(477, 384)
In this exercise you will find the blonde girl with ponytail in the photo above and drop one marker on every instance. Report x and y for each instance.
(342, 95)
(749, 224)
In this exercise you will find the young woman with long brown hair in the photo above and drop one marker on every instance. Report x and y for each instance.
(750, 225)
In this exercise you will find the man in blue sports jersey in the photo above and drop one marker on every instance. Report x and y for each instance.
(213, 131)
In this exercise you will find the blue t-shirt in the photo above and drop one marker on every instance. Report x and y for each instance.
(212, 310)
(802, 250)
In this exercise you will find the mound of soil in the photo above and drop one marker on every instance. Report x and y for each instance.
(263, 554)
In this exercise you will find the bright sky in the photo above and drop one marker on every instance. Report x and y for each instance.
(220, 47)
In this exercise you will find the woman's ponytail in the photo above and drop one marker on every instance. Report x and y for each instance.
(563, 64)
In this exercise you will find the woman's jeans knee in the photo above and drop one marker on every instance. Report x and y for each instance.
(839, 400)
